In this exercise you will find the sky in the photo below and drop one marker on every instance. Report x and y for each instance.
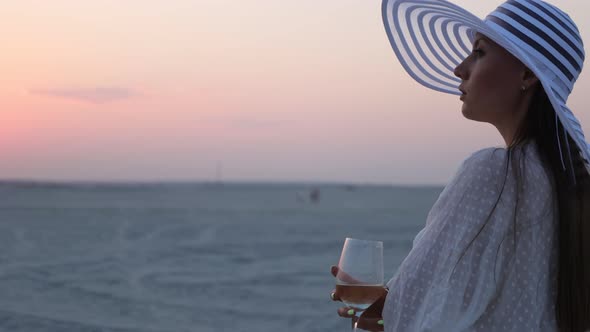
(202, 90)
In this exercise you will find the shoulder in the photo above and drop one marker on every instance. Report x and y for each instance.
(487, 156)
(487, 170)
(478, 180)
(497, 165)
(481, 172)
(489, 160)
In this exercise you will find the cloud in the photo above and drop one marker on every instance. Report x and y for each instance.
(98, 95)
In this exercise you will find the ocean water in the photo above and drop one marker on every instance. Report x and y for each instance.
(189, 257)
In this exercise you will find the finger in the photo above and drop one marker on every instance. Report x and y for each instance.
(346, 312)
(334, 270)
(343, 276)
(334, 296)
(371, 319)
(370, 324)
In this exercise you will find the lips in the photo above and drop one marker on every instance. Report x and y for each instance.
(463, 93)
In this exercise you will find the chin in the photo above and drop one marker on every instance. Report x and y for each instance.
(466, 113)
(473, 117)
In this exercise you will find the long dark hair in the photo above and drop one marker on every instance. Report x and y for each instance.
(572, 190)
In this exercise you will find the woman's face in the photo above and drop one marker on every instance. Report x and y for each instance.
(492, 83)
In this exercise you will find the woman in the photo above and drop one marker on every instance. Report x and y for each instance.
(506, 247)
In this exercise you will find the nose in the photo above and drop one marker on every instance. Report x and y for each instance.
(461, 71)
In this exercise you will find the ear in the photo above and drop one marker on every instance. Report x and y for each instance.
(529, 78)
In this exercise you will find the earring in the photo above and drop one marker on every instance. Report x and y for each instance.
(523, 88)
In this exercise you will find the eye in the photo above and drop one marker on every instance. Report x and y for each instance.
(477, 52)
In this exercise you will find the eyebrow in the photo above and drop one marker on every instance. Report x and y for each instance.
(476, 42)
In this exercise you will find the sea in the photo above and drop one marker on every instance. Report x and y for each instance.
(176, 257)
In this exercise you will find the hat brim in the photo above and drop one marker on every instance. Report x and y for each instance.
(432, 37)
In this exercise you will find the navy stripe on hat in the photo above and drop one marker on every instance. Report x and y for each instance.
(561, 21)
(569, 39)
(532, 43)
(540, 33)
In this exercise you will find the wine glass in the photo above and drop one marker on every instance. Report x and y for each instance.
(359, 281)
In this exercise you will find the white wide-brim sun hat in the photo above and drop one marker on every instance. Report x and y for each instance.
(432, 37)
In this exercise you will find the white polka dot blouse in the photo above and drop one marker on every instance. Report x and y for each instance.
(486, 259)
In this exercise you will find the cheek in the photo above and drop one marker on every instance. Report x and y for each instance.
(492, 85)
(494, 91)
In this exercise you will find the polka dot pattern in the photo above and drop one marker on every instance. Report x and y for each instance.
(476, 268)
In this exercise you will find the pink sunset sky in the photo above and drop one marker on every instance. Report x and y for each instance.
(259, 90)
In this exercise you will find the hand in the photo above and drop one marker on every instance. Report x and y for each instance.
(370, 318)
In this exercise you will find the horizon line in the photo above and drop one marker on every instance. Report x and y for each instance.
(41, 181)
